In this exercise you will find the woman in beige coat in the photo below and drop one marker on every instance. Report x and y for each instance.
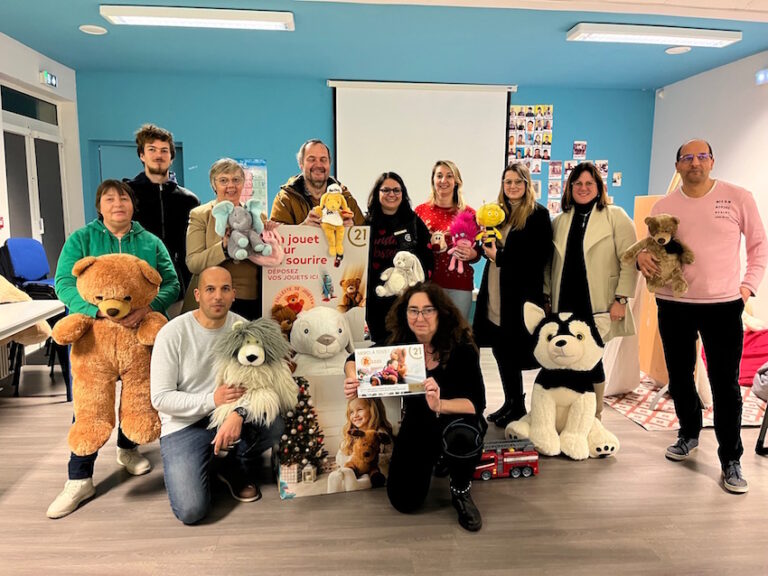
(586, 275)
(206, 248)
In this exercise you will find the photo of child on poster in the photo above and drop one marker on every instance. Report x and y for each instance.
(331, 444)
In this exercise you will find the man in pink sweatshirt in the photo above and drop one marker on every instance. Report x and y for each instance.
(713, 216)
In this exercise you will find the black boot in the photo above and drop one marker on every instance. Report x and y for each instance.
(469, 515)
(515, 411)
(493, 416)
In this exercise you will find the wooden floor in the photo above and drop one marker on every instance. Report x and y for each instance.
(634, 514)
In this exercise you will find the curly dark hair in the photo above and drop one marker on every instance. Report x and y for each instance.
(452, 328)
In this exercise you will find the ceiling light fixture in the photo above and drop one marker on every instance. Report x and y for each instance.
(93, 29)
(197, 17)
(674, 50)
(632, 34)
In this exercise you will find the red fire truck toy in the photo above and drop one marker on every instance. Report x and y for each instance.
(502, 458)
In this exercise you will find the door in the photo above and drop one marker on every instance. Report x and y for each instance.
(19, 216)
(49, 196)
(33, 173)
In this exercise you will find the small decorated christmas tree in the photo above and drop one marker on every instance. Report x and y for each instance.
(302, 441)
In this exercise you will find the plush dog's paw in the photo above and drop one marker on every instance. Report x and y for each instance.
(574, 445)
(546, 441)
(602, 443)
(518, 429)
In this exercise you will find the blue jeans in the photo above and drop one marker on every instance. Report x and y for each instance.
(187, 456)
(81, 467)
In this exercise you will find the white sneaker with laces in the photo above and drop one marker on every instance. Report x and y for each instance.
(135, 464)
(75, 492)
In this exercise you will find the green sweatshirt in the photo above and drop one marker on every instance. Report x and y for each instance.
(95, 240)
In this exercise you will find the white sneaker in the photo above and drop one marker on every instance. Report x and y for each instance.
(75, 492)
(134, 462)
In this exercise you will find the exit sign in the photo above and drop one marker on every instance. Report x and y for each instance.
(48, 79)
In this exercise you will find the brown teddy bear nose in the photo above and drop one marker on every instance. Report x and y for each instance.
(661, 241)
(113, 311)
(325, 340)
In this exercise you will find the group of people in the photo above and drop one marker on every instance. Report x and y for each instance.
(571, 264)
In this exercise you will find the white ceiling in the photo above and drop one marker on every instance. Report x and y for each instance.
(746, 10)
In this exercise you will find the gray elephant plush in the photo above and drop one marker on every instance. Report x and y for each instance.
(245, 227)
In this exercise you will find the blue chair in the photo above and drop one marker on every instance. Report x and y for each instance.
(25, 263)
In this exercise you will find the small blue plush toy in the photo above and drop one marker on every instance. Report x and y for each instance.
(245, 226)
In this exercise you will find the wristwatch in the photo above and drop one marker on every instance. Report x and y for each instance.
(240, 411)
(622, 299)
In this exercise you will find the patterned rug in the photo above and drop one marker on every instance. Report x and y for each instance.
(636, 406)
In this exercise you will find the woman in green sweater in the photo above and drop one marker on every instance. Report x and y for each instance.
(113, 232)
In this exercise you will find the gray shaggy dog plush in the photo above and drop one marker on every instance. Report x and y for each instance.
(254, 355)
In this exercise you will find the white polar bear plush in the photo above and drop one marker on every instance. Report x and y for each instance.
(322, 339)
(406, 272)
(562, 417)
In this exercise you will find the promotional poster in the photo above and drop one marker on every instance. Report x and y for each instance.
(391, 371)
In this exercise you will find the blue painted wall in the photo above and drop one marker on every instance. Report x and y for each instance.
(212, 116)
(617, 125)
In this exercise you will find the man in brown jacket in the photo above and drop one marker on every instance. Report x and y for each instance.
(294, 203)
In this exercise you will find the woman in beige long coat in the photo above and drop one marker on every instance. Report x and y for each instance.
(206, 248)
(586, 275)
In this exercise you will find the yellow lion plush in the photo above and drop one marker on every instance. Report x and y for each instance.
(332, 210)
(103, 351)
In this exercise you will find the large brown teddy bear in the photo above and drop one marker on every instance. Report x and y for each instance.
(103, 351)
(670, 253)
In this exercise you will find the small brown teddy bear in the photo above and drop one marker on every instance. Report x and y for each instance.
(670, 253)
(285, 316)
(103, 351)
(365, 454)
(352, 295)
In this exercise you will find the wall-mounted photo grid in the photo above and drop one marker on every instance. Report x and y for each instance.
(530, 142)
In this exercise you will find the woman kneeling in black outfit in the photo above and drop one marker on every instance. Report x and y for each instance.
(447, 421)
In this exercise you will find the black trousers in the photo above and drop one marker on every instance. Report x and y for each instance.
(722, 335)
(417, 448)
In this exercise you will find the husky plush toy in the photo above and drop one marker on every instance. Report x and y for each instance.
(254, 355)
(562, 417)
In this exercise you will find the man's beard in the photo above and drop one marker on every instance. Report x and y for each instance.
(157, 171)
(315, 183)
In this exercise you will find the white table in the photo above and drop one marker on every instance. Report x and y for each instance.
(16, 316)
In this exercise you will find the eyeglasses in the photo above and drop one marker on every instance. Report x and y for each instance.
(224, 181)
(702, 157)
(391, 191)
(426, 313)
(514, 182)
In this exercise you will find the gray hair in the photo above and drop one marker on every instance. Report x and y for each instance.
(224, 166)
(307, 144)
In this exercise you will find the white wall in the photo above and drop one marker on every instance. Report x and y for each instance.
(20, 67)
(724, 107)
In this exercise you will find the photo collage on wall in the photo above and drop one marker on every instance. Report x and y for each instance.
(530, 142)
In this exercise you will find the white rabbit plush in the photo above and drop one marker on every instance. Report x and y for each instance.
(406, 272)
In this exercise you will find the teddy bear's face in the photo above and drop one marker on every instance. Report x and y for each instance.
(351, 285)
(662, 228)
(116, 283)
